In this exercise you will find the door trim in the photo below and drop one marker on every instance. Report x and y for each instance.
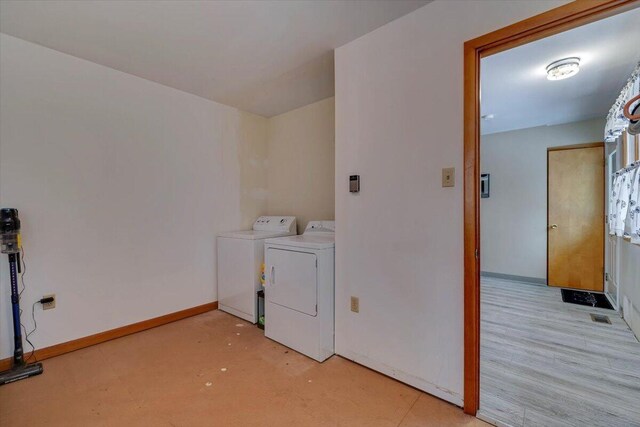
(576, 146)
(604, 192)
(552, 22)
(611, 268)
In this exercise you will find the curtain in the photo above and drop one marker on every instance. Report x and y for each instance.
(616, 121)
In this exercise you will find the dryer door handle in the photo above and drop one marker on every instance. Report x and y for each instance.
(272, 276)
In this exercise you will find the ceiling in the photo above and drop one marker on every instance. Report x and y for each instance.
(514, 87)
(265, 57)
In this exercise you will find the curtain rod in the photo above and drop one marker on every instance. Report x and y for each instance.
(631, 167)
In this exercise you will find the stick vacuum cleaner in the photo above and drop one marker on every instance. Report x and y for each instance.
(10, 245)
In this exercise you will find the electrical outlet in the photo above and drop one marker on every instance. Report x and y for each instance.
(355, 304)
(49, 305)
(449, 177)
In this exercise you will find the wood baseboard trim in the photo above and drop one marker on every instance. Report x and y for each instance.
(77, 344)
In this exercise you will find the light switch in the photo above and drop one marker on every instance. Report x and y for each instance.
(449, 177)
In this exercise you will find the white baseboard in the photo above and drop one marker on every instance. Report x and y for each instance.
(406, 378)
(631, 315)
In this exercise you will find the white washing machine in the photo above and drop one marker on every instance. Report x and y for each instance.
(299, 290)
(240, 257)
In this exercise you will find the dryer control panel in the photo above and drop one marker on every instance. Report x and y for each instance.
(320, 227)
(276, 223)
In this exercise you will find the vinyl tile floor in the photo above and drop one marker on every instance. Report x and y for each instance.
(546, 363)
(214, 370)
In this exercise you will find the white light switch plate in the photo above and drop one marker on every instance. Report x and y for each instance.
(355, 304)
(448, 177)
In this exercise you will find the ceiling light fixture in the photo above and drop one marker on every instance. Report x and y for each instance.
(563, 69)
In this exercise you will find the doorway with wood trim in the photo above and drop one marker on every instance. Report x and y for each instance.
(512, 346)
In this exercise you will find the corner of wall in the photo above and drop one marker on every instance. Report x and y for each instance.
(301, 162)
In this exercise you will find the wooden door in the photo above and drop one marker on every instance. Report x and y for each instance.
(575, 229)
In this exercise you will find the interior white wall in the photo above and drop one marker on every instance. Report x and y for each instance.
(629, 282)
(122, 185)
(513, 219)
(301, 158)
(399, 242)
(628, 264)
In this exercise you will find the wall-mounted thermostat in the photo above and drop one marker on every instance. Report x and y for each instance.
(484, 185)
(354, 183)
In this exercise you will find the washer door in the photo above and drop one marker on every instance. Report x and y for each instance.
(292, 280)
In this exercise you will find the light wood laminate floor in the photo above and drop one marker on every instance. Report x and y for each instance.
(546, 363)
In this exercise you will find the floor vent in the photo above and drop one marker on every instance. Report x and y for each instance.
(600, 318)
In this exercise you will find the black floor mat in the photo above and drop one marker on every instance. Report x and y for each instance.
(590, 299)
